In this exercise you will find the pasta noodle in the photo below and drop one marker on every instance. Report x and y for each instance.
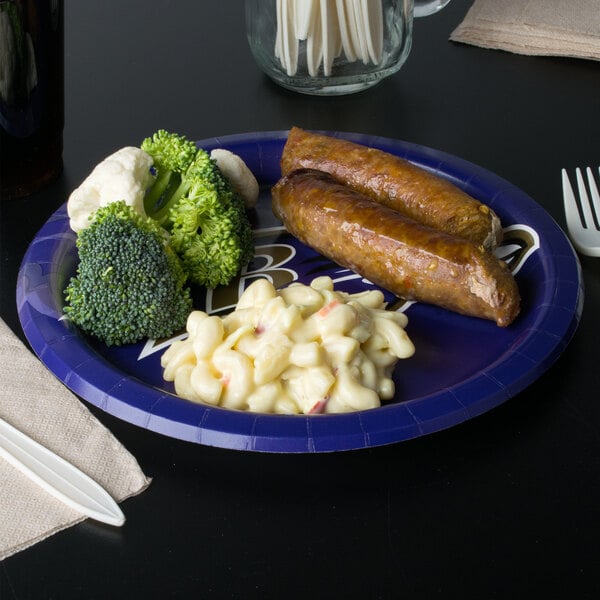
(305, 349)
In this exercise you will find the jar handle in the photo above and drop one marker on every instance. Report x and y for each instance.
(424, 8)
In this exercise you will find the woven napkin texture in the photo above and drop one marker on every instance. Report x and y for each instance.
(34, 401)
(534, 27)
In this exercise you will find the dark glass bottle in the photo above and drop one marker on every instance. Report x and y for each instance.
(31, 94)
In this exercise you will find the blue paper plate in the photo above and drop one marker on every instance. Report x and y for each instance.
(462, 367)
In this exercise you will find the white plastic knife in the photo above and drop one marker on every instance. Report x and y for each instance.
(58, 477)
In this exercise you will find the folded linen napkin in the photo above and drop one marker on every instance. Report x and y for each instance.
(534, 27)
(34, 401)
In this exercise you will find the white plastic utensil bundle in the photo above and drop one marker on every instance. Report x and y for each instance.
(329, 27)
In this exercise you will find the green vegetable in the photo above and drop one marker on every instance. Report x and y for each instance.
(207, 219)
(172, 154)
(130, 284)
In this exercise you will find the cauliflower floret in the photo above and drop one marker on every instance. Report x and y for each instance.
(239, 175)
(124, 175)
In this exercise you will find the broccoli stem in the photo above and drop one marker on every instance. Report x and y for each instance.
(154, 197)
(166, 191)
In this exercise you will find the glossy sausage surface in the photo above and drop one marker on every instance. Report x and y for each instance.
(395, 182)
(409, 259)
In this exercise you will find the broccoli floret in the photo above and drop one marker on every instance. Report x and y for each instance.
(206, 217)
(172, 154)
(130, 284)
(209, 226)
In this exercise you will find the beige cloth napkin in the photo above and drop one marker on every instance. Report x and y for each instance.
(34, 401)
(534, 27)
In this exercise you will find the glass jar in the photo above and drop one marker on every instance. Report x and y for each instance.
(331, 47)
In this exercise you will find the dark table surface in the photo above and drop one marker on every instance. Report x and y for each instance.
(502, 506)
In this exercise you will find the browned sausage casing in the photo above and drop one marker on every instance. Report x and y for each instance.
(395, 182)
(393, 251)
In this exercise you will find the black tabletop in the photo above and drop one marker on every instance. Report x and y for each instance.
(502, 506)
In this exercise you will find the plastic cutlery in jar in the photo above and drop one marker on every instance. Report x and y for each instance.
(332, 47)
(582, 212)
(58, 477)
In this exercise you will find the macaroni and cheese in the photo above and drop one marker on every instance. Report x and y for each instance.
(301, 349)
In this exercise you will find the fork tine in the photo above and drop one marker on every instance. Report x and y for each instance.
(571, 211)
(586, 207)
(584, 229)
(594, 193)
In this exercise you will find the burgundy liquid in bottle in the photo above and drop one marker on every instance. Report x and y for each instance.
(31, 94)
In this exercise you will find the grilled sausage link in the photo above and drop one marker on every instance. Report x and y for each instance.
(393, 251)
(395, 182)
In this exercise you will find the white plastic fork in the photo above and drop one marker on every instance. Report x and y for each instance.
(583, 213)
